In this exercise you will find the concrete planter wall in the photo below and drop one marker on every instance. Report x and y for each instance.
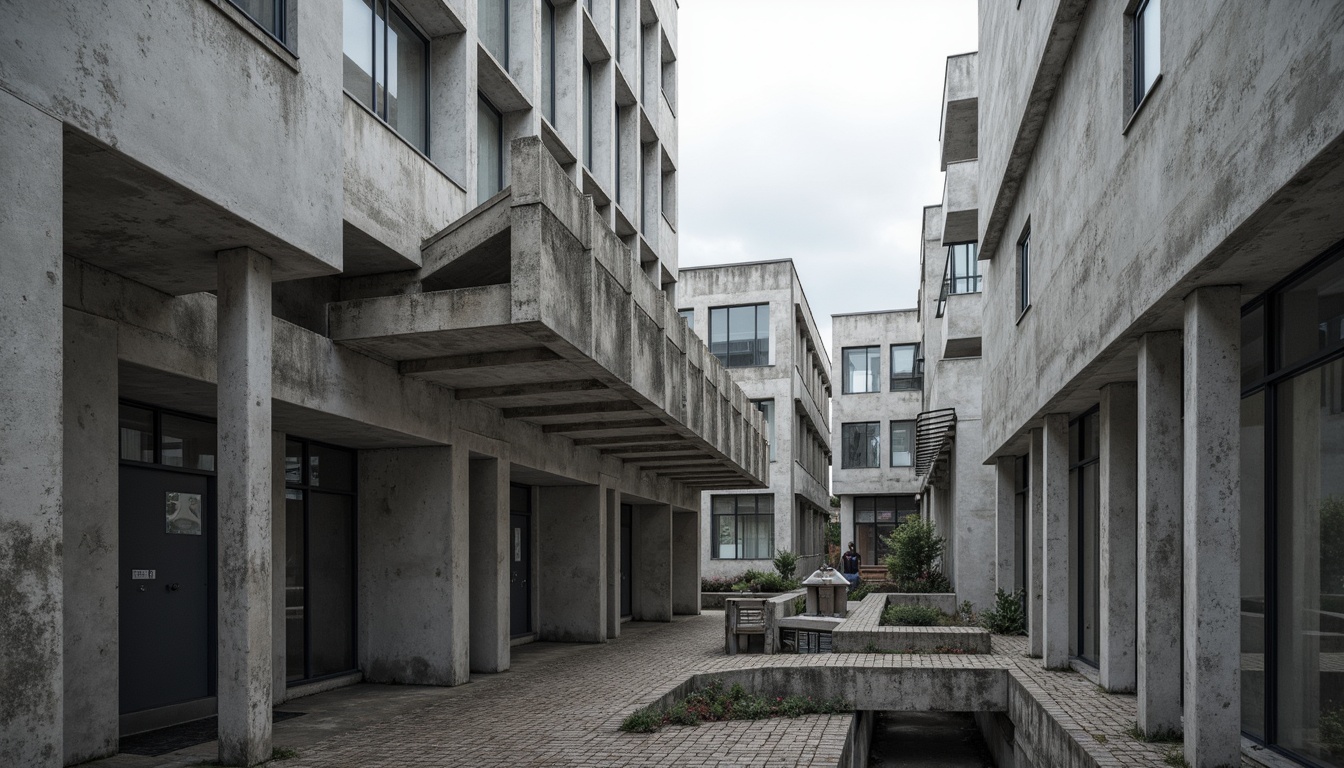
(943, 601)
(713, 601)
(863, 631)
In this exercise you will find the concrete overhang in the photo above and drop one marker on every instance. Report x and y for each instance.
(961, 325)
(961, 202)
(961, 110)
(530, 305)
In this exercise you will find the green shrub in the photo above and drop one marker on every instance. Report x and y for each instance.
(758, 581)
(862, 591)
(912, 616)
(1332, 731)
(718, 583)
(1008, 616)
(914, 552)
(800, 605)
(642, 721)
(714, 703)
(786, 563)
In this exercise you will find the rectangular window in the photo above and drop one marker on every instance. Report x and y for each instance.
(548, 60)
(588, 115)
(489, 150)
(744, 527)
(875, 517)
(269, 15)
(907, 370)
(902, 443)
(621, 113)
(1021, 487)
(963, 269)
(1147, 47)
(862, 369)
(492, 20)
(386, 67)
(1024, 273)
(860, 445)
(740, 336)
(767, 409)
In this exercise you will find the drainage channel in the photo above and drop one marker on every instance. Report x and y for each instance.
(927, 740)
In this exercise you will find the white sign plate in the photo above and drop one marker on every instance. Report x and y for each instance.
(135, 574)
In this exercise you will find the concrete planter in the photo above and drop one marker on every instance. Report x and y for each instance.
(942, 601)
(713, 601)
(863, 631)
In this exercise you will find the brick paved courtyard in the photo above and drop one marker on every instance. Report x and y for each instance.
(561, 704)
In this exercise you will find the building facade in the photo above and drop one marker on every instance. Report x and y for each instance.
(337, 346)
(1159, 196)
(760, 327)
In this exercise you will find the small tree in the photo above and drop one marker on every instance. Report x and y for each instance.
(786, 563)
(914, 552)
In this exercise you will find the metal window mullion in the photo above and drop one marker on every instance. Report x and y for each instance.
(387, 22)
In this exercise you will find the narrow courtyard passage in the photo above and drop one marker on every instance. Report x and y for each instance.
(928, 740)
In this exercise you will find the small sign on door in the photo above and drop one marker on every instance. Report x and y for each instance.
(145, 574)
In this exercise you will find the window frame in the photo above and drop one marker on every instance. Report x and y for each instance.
(1139, 43)
(483, 101)
(1024, 273)
(914, 381)
(737, 514)
(974, 282)
(280, 18)
(379, 110)
(875, 433)
(874, 353)
(587, 115)
(769, 416)
(727, 317)
(548, 53)
(909, 426)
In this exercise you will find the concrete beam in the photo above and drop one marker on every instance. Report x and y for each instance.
(530, 389)
(1117, 529)
(620, 440)
(1212, 523)
(652, 586)
(1005, 538)
(1036, 544)
(244, 507)
(488, 579)
(597, 426)
(477, 361)
(1158, 502)
(571, 568)
(1055, 533)
(570, 409)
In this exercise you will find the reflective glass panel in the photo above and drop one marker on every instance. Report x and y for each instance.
(295, 581)
(1253, 564)
(489, 154)
(1311, 314)
(188, 443)
(136, 433)
(492, 19)
(330, 468)
(267, 13)
(331, 558)
(902, 443)
(1148, 39)
(407, 86)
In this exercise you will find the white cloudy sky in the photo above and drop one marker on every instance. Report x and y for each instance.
(809, 130)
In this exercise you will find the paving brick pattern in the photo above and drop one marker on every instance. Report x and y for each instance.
(561, 705)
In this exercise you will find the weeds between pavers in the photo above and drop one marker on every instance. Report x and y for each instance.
(911, 650)
(714, 703)
(1159, 737)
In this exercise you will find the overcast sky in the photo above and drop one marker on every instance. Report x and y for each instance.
(809, 130)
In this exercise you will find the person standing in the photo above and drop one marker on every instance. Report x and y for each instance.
(849, 565)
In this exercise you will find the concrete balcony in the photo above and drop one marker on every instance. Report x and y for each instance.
(961, 110)
(961, 324)
(530, 305)
(961, 202)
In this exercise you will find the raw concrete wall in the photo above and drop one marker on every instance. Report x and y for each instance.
(91, 544)
(413, 604)
(685, 562)
(973, 520)
(489, 577)
(652, 562)
(571, 564)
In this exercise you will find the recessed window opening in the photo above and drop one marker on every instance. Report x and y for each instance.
(270, 15)
(1024, 272)
(744, 527)
(963, 269)
(862, 369)
(740, 336)
(907, 369)
(489, 150)
(767, 409)
(1147, 48)
(902, 443)
(386, 67)
(875, 517)
(548, 60)
(587, 115)
(492, 19)
(1084, 495)
(861, 445)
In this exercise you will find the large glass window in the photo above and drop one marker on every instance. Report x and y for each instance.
(902, 443)
(875, 517)
(387, 67)
(548, 60)
(907, 373)
(860, 445)
(744, 527)
(767, 409)
(492, 20)
(1084, 489)
(489, 150)
(863, 369)
(269, 15)
(320, 576)
(963, 269)
(1147, 47)
(740, 336)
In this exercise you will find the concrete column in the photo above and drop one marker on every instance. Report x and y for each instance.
(413, 603)
(1118, 534)
(1055, 542)
(612, 499)
(571, 568)
(652, 587)
(1158, 504)
(489, 557)
(244, 499)
(1005, 496)
(30, 435)
(1035, 544)
(685, 562)
(1212, 525)
(91, 537)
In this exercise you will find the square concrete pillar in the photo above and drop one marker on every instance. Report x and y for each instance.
(413, 556)
(91, 537)
(30, 435)
(652, 588)
(1158, 508)
(571, 565)
(1005, 522)
(1212, 523)
(1118, 532)
(612, 510)
(1055, 542)
(244, 499)
(489, 577)
(686, 562)
(1035, 545)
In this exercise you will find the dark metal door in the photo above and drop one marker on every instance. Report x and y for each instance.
(167, 606)
(627, 541)
(520, 573)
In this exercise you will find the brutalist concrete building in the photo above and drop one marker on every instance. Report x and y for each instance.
(336, 345)
(1160, 189)
(760, 327)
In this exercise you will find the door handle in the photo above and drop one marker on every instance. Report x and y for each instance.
(174, 587)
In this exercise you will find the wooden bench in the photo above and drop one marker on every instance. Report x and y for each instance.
(872, 573)
(745, 617)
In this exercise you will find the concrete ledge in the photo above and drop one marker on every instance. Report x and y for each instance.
(863, 631)
(713, 601)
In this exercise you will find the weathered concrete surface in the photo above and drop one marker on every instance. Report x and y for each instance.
(1055, 542)
(279, 557)
(91, 543)
(611, 499)
(488, 580)
(572, 596)
(1212, 527)
(245, 506)
(413, 602)
(685, 562)
(30, 436)
(1160, 563)
(652, 557)
(1118, 532)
